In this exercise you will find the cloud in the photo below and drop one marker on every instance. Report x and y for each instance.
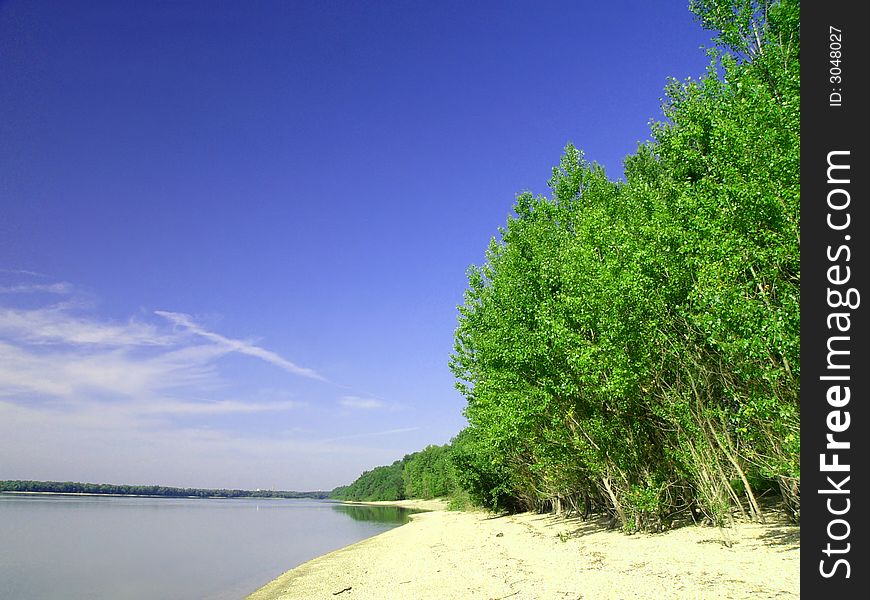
(240, 346)
(57, 325)
(113, 373)
(145, 400)
(19, 272)
(357, 402)
(47, 288)
(61, 352)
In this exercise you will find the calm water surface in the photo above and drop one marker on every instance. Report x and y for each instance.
(78, 547)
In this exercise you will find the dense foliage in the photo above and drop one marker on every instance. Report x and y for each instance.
(70, 487)
(381, 483)
(633, 346)
(425, 474)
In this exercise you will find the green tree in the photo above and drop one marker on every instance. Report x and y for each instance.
(634, 346)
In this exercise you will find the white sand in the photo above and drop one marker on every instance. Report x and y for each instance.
(475, 555)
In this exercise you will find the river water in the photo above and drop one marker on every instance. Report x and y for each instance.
(124, 548)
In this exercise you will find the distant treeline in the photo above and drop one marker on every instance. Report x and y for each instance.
(71, 487)
(425, 474)
(633, 347)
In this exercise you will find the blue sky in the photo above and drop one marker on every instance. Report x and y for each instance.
(233, 235)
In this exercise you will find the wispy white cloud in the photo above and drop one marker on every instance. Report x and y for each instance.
(58, 325)
(62, 351)
(19, 272)
(70, 373)
(358, 402)
(33, 288)
(24, 374)
(241, 346)
(82, 396)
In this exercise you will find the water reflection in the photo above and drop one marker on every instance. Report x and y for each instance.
(377, 514)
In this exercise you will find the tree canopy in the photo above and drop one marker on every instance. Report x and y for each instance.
(633, 346)
(425, 474)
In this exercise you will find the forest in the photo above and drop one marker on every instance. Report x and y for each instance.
(425, 474)
(631, 347)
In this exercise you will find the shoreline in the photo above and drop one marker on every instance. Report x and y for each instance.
(94, 494)
(442, 555)
(415, 504)
(97, 495)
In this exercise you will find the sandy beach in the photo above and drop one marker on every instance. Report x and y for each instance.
(477, 555)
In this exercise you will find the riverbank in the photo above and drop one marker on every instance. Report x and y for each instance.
(422, 505)
(443, 555)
